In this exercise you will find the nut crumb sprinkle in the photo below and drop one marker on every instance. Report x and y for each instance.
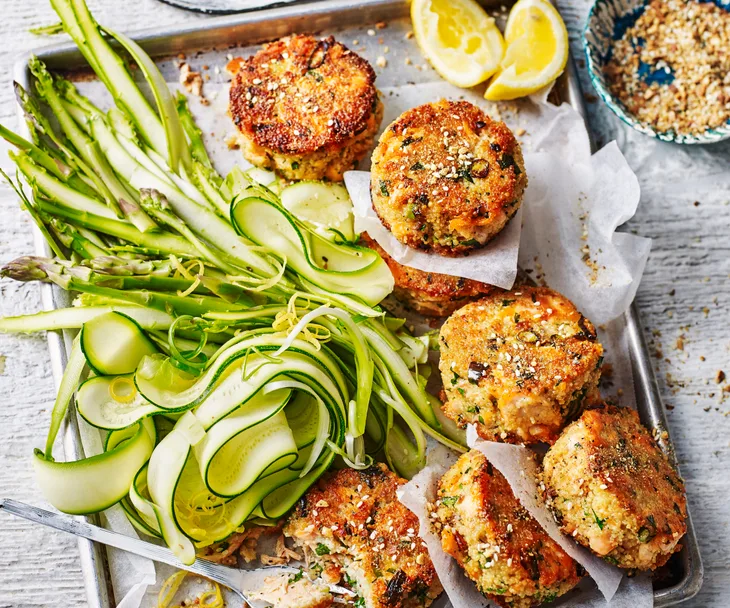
(671, 69)
(192, 82)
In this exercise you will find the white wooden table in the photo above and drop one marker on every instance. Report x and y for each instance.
(684, 297)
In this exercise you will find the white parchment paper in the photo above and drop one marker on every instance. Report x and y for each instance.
(572, 206)
(416, 495)
(495, 264)
(517, 464)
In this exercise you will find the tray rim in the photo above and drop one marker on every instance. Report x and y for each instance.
(294, 17)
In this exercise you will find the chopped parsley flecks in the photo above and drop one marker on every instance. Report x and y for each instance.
(296, 577)
(322, 549)
(599, 522)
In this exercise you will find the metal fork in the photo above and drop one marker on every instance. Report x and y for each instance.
(241, 582)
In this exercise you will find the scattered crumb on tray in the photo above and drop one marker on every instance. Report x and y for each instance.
(192, 82)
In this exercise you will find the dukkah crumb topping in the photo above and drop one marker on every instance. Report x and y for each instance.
(671, 69)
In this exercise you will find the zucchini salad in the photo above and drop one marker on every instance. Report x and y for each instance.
(230, 347)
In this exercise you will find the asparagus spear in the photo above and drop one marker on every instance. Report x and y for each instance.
(72, 239)
(113, 265)
(110, 68)
(57, 190)
(28, 206)
(112, 188)
(203, 173)
(157, 206)
(38, 155)
(178, 152)
(93, 161)
(195, 135)
(159, 241)
(81, 177)
(74, 318)
(82, 278)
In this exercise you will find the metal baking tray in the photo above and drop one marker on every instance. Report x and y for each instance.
(210, 42)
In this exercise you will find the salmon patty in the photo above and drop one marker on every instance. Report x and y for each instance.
(429, 293)
(612, 488)
(305, 107)
(519, 365)
(496, 541)
(447, 178)
(352, 522)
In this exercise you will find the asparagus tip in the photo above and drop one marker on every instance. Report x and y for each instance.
(26, 268)
(127, 207)
(153, 198)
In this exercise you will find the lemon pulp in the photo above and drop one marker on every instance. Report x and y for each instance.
(537, 51)
(459, 38)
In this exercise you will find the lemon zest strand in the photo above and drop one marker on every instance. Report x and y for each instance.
(116, 383)
(212, 599)
(193, 286)
(262, 284)
(169, 589)
(184, 270)
(181, 270)
(313, 333)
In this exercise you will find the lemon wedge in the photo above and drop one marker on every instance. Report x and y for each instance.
(537, 51)
(460, 40)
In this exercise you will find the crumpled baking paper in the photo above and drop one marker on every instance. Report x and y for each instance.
(572, 206)
(518, 466)
(416, 495)
(495, 264)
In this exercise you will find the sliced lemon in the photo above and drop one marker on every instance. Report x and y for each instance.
(460, 40)
(537, 51)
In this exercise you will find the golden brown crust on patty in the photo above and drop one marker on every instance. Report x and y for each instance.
(519, 364)
(429, 293)
(357, 518)
(446, 177)
(613, 489)
(496, 541)
(304, 100)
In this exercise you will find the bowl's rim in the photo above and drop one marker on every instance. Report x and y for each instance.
(710, 136)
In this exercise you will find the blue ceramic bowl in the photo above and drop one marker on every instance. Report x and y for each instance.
(608, 20)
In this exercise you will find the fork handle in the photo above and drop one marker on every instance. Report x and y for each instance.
(230, 577)
(240, 582)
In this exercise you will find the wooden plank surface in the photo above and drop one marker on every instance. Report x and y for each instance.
(684, 297)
